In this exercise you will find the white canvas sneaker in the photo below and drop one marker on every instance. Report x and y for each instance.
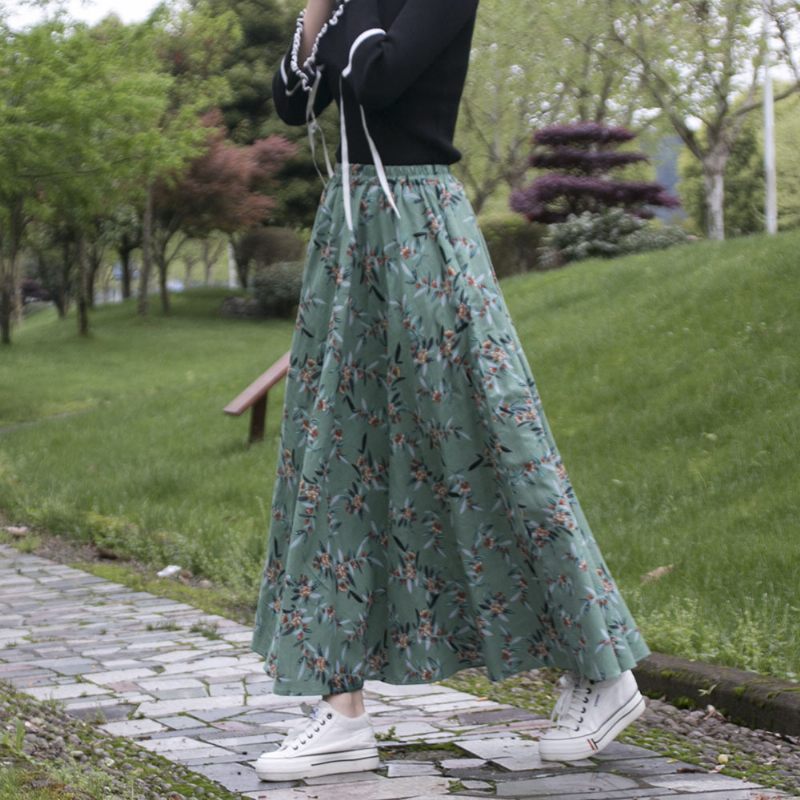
(588, 716)
(324, 744)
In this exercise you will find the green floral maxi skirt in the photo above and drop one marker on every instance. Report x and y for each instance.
(422, 519)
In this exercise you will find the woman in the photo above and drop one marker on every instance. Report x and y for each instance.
(422, 519)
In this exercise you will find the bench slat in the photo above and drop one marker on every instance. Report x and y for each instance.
(258, 388)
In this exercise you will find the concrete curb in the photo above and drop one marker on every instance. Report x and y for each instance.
(745, 698)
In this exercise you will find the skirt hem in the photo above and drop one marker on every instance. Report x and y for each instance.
(637, 651)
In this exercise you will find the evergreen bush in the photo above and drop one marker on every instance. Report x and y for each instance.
(607, 234)
(513, 243)
(277, 287)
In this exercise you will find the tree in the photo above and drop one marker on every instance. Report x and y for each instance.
(266, 28)
(224, 190)
(518, 83)
(81, 103)
(744, 186)
(25, 147)
(191, 44)
(211, 251)
(694, 59)
(744, 176)
(114, 98)
(581, 159)
(52, 259)
(124, 231)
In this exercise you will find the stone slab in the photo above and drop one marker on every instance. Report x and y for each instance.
(699, 782)
(167, 708)
(624, 794)
(408, 769)
(565, 784)
(382, 789)
(69, 690)
(727, 794)
(134, 727)
(462, 763)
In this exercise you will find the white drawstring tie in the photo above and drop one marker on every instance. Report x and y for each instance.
(314, 126)
(348, 211)
(311, 119)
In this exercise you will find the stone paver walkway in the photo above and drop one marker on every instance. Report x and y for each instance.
(185, 684)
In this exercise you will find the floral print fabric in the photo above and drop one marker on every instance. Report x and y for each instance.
(422, 518)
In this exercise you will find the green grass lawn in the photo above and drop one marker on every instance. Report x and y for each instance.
(671, 381)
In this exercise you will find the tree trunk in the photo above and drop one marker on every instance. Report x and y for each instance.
(125, 249)
(10, 277)
(60, 301)
(6, 297)
(8, 289)
(163, 270)
(242, 266)
(478, 201)
(147, 252)
(161, 241)
(714, 182)
(83, 287)
(125, 260)
(240, 261)
(96, 252)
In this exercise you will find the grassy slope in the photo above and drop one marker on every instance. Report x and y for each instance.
(154, 448)
(670, 380)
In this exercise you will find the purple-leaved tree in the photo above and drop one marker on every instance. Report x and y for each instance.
(582, 158)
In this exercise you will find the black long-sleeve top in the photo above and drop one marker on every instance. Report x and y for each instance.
(404, 62)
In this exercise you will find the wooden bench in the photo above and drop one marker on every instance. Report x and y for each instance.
(254, 397)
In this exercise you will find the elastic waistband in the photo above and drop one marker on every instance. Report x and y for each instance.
(368, 171)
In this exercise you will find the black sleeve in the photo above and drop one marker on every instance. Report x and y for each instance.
(383, 64)
(289, 94)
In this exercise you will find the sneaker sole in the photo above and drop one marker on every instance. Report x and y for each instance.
(322, 764)
(605, 734)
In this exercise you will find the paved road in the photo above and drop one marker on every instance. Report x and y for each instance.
(185, 684)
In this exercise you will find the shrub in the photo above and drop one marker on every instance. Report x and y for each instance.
(588, 235)
(611, 233)
(654, 237)
(241, 308)
(34, 291)
(513, 243)
(259, 247)
(277, 287)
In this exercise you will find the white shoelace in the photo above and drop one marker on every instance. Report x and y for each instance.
(571, 705)
(305, 729)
